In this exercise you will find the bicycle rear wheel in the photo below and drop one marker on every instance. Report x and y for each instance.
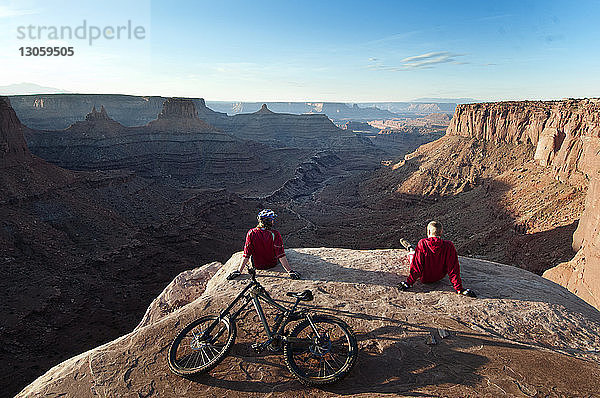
(193, 352)
(324, 357)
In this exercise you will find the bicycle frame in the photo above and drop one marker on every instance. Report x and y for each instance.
(255, 293)
(307, 347)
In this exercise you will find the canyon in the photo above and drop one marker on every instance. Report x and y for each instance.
(131, 207)
(82, 251)
(118, 209)
(59, 111)
(502, 191)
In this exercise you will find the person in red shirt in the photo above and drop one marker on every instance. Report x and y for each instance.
(264, 246)
(433, 259)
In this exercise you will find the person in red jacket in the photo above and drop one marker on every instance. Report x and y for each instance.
(433, 259)
(264, 246)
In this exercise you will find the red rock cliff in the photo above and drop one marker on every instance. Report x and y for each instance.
(12, 143)
(566, 136)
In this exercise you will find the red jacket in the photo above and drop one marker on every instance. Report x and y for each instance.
(434, 259)
(265, 246)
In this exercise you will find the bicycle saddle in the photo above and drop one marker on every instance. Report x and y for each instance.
(302, 296)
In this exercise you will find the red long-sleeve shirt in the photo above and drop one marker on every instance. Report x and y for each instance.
(435, 258)
(265, 246)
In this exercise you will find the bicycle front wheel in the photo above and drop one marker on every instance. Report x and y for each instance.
(193, 351)
(322, 352)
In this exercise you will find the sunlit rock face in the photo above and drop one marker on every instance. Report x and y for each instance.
(566, 138)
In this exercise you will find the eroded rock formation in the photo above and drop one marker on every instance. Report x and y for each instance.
(178, 146)
(566, 138)
(83, 253)
(524, 335)
(582, 274)
(58, 111)
(12, 142)
(558, 130)
(178, 108)
(289, 130)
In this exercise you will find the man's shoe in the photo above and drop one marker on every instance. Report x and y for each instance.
(403, 286)
(294, 275)
(233, 275)
(468, 293)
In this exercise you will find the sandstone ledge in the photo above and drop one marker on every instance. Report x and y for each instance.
(524, 335)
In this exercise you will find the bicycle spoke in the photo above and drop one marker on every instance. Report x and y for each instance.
(328, 364)
(205, 356)
(214, 349)
(195, 351)
(325, 351)
(187, 363)
(337, 361)
(199, 357)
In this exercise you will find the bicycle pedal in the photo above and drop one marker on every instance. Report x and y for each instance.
(257, 347)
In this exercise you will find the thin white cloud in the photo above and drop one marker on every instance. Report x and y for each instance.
(392, 38)
(425, 56)
(494, 17)
(8, 12)
(421, 61)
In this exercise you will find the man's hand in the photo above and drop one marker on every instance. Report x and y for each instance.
(407, 245)
(468, 293)
(293, 274)
(403, 286)
(233, 275)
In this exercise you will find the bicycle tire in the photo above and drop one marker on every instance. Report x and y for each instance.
(297, 354)
(201, 356)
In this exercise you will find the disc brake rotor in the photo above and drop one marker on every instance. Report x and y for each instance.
(321, 346)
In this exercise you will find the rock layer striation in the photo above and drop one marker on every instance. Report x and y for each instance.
(565, 137)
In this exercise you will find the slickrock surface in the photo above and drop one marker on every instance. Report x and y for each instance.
(185, 288)
(523, 336)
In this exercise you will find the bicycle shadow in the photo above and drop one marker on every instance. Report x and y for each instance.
(390, 361)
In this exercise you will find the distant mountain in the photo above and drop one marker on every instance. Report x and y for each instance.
(29, 88)
(411, 109)
(447, 100)
(340, 111)
(59, 111)
(334, 110)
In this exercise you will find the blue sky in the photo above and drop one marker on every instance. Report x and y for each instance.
(316, 51)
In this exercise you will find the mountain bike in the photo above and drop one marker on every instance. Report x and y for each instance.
(318, 350)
